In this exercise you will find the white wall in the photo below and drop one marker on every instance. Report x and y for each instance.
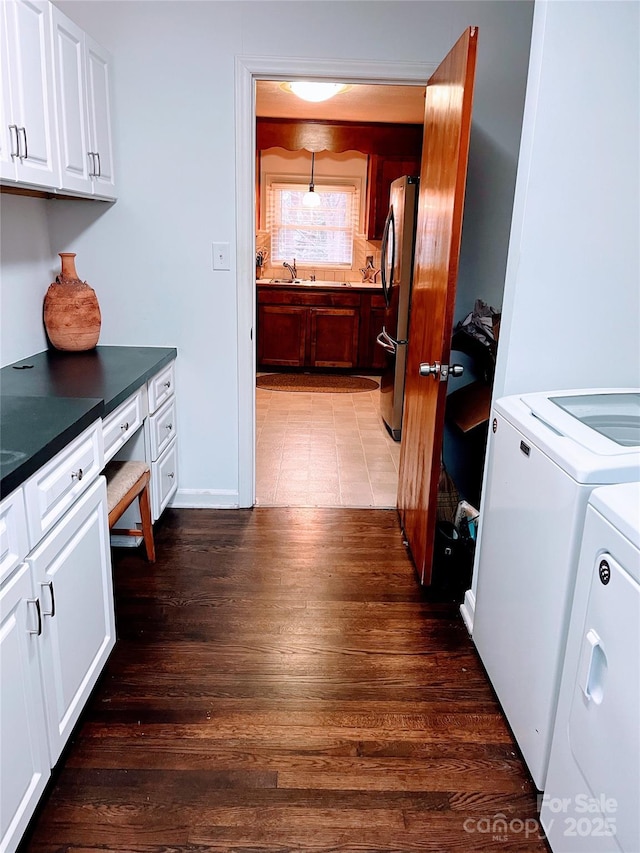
(28, 269)
(572, 290)
(148, 256)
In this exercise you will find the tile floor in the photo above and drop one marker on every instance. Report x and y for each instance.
(323, 450)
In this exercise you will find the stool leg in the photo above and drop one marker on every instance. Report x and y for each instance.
(147, 526)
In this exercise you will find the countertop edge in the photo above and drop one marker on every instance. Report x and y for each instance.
(163, 361)
(19, 475)
(98, 408)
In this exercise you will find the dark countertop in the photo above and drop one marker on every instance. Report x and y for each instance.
(46, 405)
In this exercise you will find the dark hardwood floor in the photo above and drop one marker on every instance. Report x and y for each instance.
(281, 684)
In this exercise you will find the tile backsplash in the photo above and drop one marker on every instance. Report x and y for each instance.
(361, 248)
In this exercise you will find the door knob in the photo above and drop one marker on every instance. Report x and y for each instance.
(427, 369)
(441, 371)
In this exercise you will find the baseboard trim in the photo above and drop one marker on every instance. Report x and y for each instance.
(468, 609)
(205, 499)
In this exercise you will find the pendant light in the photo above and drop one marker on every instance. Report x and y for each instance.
(311, 198)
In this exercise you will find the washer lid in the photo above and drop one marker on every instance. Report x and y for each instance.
(620, 505)
(592, 434)
(616, 416)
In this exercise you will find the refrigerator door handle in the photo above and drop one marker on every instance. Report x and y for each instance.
(389, 229)
(387, 342)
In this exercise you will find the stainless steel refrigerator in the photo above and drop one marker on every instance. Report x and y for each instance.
(397, 274)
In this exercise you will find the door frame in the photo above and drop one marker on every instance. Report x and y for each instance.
(249, 69)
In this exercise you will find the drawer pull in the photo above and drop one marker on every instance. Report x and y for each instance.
(124, 426)
(16, 153)
(38, 630)
(77, 474)
(171, 475)
(51, 612)
(24, 156)
(167, 384)
(169, 426)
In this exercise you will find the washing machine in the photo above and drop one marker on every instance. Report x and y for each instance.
(546, 454)
(591, 802)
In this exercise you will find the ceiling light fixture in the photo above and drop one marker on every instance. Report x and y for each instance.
(314, 91)
(311, 198)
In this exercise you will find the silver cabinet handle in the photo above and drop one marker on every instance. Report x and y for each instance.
(92, 164)
(24, 156)
(51, 612)
(79, 474)
(169, 426)
(171, 475)
(167, 384)
(99, 175)
(14, 153)
(38, 630)
(124, 426)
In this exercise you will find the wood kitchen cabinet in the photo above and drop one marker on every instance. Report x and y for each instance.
(282, 334)
(334, 337)
(372, 313)
(381, 171)
(318, 328)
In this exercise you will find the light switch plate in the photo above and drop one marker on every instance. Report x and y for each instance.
(221, 256)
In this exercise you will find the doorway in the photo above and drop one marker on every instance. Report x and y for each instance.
(324, 449)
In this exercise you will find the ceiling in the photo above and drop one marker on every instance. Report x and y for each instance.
(375, 102)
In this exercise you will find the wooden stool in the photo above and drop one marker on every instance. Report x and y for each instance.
(125, 482)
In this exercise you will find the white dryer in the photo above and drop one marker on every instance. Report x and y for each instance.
(591, 802)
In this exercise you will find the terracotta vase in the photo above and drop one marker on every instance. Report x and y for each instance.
(71, 310)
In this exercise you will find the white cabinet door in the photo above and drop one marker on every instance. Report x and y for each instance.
(32, 118)
(71, 97)
(8, 130)
(14, 538)
(23, 740)
(99, 105)
(72, 572)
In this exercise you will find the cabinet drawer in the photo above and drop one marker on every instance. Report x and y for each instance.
(161, 387)
(14, 539)
(52, 489)
(120, 425)
(164, 479)
(162, 428)
(331, 298)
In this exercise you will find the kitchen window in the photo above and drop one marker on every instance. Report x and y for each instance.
(322, 235)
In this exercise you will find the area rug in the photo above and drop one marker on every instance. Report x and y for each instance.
(317, 382)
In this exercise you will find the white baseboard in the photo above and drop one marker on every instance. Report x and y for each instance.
(468, 609)
(205, 499)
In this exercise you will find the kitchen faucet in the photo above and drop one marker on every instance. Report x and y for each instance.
(293, 272)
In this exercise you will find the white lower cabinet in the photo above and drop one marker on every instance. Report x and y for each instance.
(164, 479)
(72, 572)
(24, 749)
(57, 630)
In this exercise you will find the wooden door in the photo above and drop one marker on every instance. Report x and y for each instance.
(443, 172)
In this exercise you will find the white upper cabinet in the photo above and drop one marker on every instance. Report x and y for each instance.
(28, 140)
(84, 115)
(99, 102)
